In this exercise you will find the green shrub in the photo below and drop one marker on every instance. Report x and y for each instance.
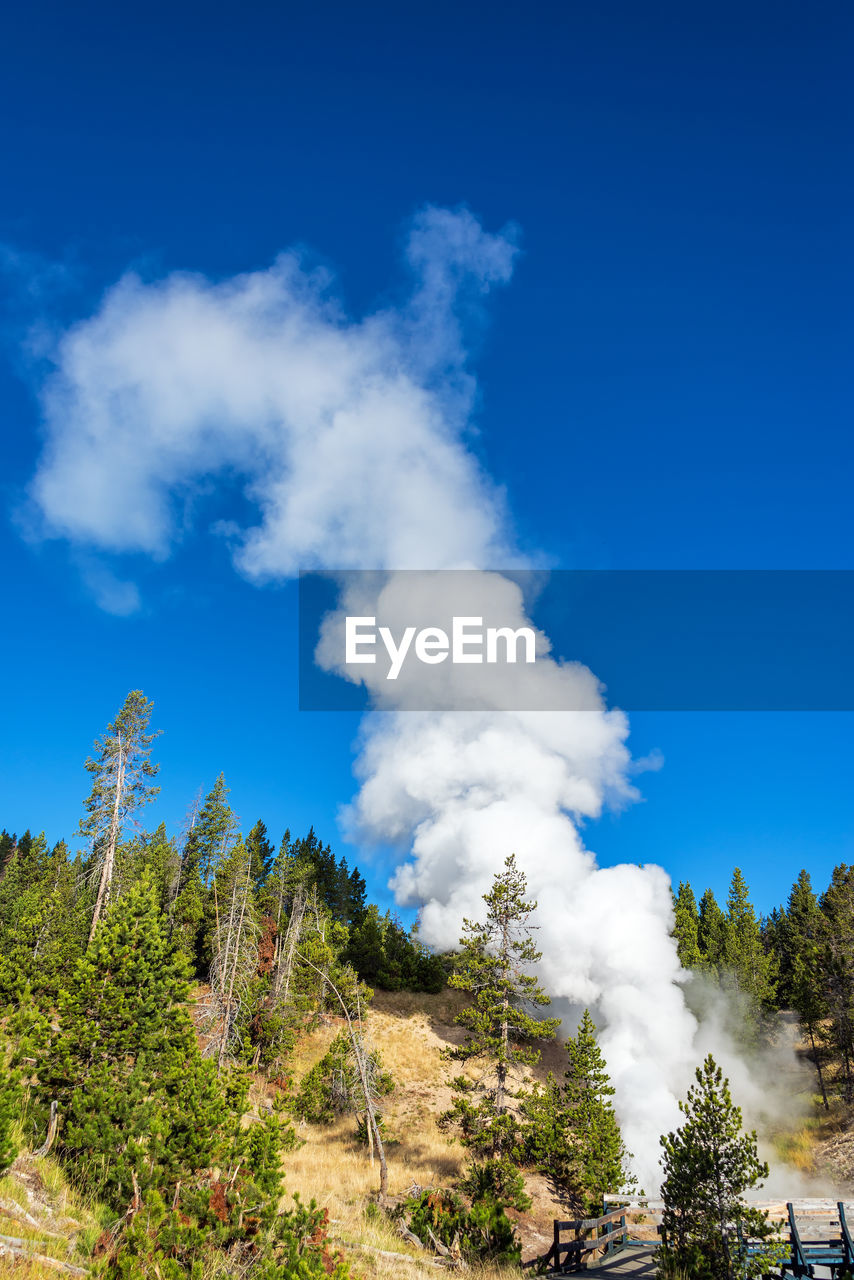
(333, 1087)
(482, 1233)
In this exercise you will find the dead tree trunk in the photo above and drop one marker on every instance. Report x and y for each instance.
(233, 975)
(112, 841)
(51, 1131)
(285, 964)
(358, 1048)
(234, 963)
(817, 1060)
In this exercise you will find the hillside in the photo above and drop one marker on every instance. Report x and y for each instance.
(40, 1212)
(409, 1030)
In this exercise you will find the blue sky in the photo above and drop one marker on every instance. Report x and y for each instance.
(665, 383)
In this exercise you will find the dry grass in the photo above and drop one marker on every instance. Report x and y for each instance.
(68, 1223)
(410, 1032)
(798, 1148)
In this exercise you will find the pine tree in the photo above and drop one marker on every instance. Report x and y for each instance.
(45, 920)
(571, 1132)
(386, 955)
(260, 852)
(599, 1146)
(8, 845)
(686, 927)
(123, 1064)
(744, 953)
(121, 772)
(709, 1164)
(798, 948)
(711, 933)
(187, 918)
(546, 1141)
(211, 837)
(837, 964)
(356, 897)
(492, 963)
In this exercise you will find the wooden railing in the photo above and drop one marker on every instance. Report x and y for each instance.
(802, 1255)
(576, 1240)
(588, 1235)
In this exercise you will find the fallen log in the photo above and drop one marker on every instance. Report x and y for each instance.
(438, 1246)
(15, 1247)
(409, 1236)
(386, 1253)
(11, 1210)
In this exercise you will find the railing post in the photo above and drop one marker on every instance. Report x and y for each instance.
(556, 1247)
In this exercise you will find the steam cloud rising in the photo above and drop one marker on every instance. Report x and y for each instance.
(349, 438)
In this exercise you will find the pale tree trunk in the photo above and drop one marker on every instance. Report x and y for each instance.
(817, 1060)
(223, 974)
(235, 960)
(359, 1055)
(112, 842)
(285, 962)
(279, 909)
(234, 970)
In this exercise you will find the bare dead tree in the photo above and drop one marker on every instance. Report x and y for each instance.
(234, 964)
(364, 1063)
(283, 964)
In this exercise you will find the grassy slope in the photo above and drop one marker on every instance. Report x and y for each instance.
(410, 1031)
(38, 1206)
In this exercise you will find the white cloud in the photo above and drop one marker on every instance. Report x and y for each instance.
(341, 431)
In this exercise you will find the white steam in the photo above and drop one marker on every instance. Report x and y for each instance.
(348, 437)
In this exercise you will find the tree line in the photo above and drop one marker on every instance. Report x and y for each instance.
(147, 979)
(800, 957)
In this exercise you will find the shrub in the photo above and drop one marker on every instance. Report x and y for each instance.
(482, 1233)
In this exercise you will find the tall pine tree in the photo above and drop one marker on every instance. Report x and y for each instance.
(686, 927)
(709, 1164)
(122, 773)
(493, 965)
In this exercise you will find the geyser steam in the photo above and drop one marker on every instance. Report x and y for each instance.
(349, 437)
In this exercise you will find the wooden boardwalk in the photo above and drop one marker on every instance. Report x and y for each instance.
(636, 1259)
